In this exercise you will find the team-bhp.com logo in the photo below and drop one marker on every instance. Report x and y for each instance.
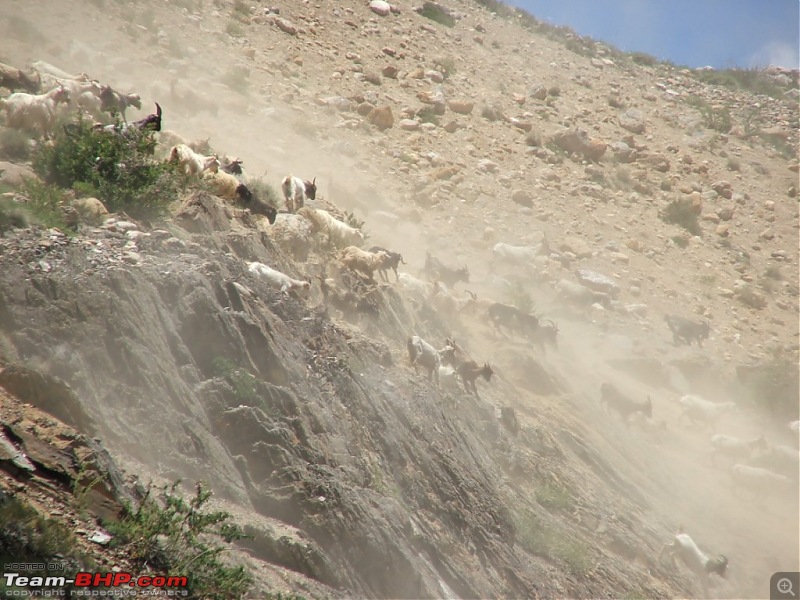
(29, 585)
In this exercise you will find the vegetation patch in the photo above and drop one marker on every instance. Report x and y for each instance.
(14, 144)
(244, 383)
(681, 212)
(173, 535)
(544, 540)
(117, 168)
(435, 12)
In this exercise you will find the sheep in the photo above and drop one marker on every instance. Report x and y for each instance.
(393, 262)
(29, 111)
(340, 234)
(685, 330)
(469, 372)
(295, 191)
(702, 565)
(113, 101)
(360, 260)
(436, 269)
(191, 162)
(735, 447)
(615, 400)
(422, 353)
(761, 482)
(279, 280)
(697, 409)
(783, 459)
(16, 79)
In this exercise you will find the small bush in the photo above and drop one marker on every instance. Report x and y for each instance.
(680, 212)
(641, 58)
(241, 9)
(520, 296)
(235, 30)
(117, 168)
(446, 65)
(238, 79)
(734, 164)
(428, 115)
(554, 498)
(244, 384)
(266, 192)
(46, 203)
(434, 12)
(543, 540)
(13, 215)
(170, 534)
(14, 144)
(356, 223)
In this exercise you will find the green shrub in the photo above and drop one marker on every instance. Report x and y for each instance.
(428, 115)
(14, 144)
(12, 215)
(244, 384)
(680, 212)
(265, 191)
(446, 65)
(45, 202)
(434, 12)
(544, 540)
(117, 168)
(175, 536)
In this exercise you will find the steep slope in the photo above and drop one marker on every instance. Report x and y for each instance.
(350, 470)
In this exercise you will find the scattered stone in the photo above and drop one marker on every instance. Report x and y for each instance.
(577, 141)
(462, 107)
(365, 108)
(576, 246)
(408, 124)
(522, 197)
(725, 214)
(90, 210)
(381, 117)
(723, 230)
(723, 188)
(380, 8)
(286, 26)
(538, 92)
(451, 126)
(390, 71)
(488, 166)
(633, 120)
(434, 75)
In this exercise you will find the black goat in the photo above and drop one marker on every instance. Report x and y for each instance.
(393, 262)
(437, 270)
(619, 402)
(685, 330)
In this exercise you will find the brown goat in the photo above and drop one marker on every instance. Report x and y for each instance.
(469, 373)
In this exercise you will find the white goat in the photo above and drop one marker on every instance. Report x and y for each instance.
(422, 353)
(29, 111)
(699, 409)
(226, 186)
(702, 565)
(448, 379)
(90, 103)
(191, 162)
(419, 290)
(168, 138)
(517, 254)
(761, 482)
(340, 234)
(360, 260)
(45, 68)
(279, 280)
(735, 447)
(295, 191)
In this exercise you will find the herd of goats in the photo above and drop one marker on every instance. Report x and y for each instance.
(757, 464)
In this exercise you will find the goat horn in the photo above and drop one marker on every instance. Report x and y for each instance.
(473, 295)
(158, 109)
(401, 259)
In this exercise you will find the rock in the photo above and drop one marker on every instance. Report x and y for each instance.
(723, 188)
(538, 92)
(434, 75)
(725, 214)
(633, 120)
(381, 117)
(380, 8)
(340, 103)
(390, 71)
(522, 197)
(597, 282)
(286, 26)
(365, 108)
(723, 230)
(462, 107)
(488, 166)
(15, 175)
(576, 246)
(444, 173)
(577, 141)
(90, 210)
(408, 124)
(451, 126)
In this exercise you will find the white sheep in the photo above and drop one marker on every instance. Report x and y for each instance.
(422, 353)
(295, 191)
(702, 565)
(360, 260)
(735, 447)
(699, 409)
(191, 162)
(279, 280)
(29, 111)
(226, 185)
(45, 68)
(340, 234)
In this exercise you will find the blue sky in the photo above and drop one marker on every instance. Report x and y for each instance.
(719, 33)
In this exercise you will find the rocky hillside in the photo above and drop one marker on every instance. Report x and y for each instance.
(649, 189)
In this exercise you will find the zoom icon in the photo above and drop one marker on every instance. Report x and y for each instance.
(784, 585)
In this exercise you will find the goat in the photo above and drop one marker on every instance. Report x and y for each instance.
(15, 79)
(419, 290)
(151, 122)
(232, 166)
(469, 372)
(422, 353)
(504, 315)
(540, 334)
(113, 101)
(781, 458)
(192, 163)
(443, 301)
(29, 111)
(761, 482)
(735, 447)
(702, 565)
(581, 296)
(697, 409)
(393, 262)
(340, 234)
(295, 191)
(685, 330)
(448, 379)
(615, 400)
(436, 269)
(517, 254)
(168, 139)
(279, 280)
(360, 260)
(349, 303)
